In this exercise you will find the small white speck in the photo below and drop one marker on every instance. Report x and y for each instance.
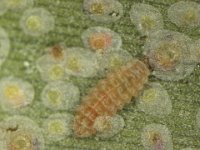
(26, 64)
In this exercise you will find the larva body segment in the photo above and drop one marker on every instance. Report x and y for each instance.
(110, 95)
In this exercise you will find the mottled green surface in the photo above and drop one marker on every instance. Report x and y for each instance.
(70, 23)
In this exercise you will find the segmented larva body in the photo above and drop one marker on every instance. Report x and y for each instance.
(110, 95)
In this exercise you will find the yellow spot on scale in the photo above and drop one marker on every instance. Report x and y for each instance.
(14, 94)
(73, 64)
(190, 16)
(147, 22)
(97, 8)
(56, 127)
(153, 137)
(97, 42)
(56, 72)
(34, 23)
(115, 62)
(149, 95)
(168, 55)
(54, 97)
(20, 141)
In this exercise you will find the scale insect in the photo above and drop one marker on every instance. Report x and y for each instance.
(110, 95)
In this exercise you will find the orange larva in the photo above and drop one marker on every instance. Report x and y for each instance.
(110, 95)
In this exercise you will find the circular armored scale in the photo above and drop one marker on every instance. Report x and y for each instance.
(103, 10)
(169, 54)
(185, 14)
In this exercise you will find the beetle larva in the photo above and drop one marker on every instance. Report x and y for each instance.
(110, 95)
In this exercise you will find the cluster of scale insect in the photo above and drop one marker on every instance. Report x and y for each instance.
(61, 62)
(20, 132)
(119, 86)
(75, 62)
(55, 91)
(169, 55)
